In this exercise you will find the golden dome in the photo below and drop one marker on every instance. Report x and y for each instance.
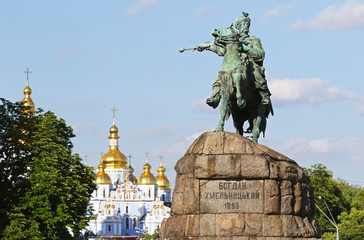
(147, 177)
(27, 101)
(101, 176)
(114, 158)
(162, 180)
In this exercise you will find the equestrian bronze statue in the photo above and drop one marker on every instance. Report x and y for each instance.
(240, 86)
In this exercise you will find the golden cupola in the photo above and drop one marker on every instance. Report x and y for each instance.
(101, 176)
(162, 180)
(114, 158)
(27, 101)
(147, 177)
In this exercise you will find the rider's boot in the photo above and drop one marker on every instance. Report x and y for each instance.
(265, 97)
(214, 99)
(241, 102)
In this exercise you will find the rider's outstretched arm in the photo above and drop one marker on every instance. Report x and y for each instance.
(210, 47)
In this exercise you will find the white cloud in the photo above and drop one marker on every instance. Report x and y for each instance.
(65, 55)
(308, 91)
(200, 105)
(275, 13)
(86, 129)
(178, 150)
(205, 11)
(157, 131)
(139, 6)
(325, 149)
(359, 110)
(335, 17)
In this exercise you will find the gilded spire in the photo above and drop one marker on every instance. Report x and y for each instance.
(114, 158)
(27, 101)
(113, 130)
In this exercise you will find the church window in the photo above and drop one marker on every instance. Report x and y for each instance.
(149, 192)
(134, 223)
(103, 193)
(163, 197)
(109, 228)
(127, 223)
(127, 209)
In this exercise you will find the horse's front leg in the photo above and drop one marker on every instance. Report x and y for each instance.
(223, 111)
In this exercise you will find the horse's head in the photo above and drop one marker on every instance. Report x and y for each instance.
(225, 35)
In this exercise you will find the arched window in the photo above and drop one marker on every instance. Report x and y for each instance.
(127, 209)
(109, 228)
(134, 223)
(149, 192)
(127, 223)
(103, 193)
(163, 197)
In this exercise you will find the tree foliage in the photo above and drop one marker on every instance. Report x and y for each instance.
(345, 201)
(15, 129)
(328, 189)
(52, 185)
(149, 236)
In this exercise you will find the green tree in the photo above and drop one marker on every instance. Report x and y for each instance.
(57, 186)
(325, 186)
(350, 192)
(15, 156)
(148, 236)
(358, 200)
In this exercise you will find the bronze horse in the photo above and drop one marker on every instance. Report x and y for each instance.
(245, 104)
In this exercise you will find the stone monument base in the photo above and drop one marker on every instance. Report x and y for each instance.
(230, 188)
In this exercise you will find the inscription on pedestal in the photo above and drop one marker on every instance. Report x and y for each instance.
(221, 196)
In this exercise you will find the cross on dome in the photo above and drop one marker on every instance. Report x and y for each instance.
(161, 157)
(147, 153)
(27, 72)
(113, 114)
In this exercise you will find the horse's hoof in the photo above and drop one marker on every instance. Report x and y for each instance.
(219, 130)
(241, 103)
(212, 102)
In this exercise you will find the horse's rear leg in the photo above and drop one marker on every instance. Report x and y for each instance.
(259, 123)
(238, 78)
(256, 128)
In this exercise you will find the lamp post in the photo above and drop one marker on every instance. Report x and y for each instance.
(332, 220)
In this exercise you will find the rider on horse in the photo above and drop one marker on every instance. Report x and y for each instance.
(252, 55)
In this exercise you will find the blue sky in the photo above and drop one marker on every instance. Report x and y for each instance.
(87, 56)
